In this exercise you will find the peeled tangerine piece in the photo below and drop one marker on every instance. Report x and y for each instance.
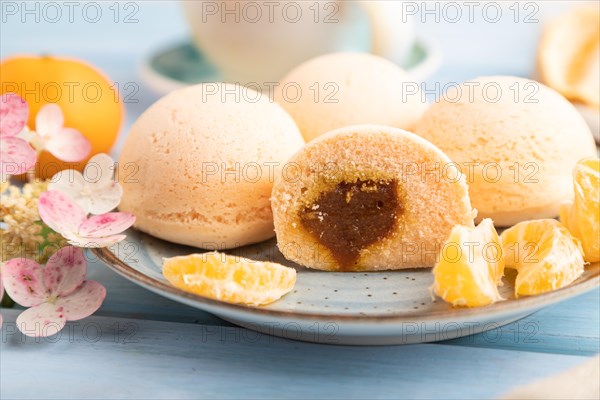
(569, 54)
(582, 216)
(230, 278)
(470, 267)
(544, 254)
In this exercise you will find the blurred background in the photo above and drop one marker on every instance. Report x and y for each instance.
(122, 38)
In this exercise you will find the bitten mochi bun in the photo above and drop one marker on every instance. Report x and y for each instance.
(342, 89)
(517, 141)
(198, 166)
(365, 198)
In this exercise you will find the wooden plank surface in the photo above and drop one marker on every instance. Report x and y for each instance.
(157, 359)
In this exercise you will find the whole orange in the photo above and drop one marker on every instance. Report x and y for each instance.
(89, 100)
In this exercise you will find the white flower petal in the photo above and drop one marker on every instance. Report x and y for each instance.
(100, 170)
(41, 321)
(60, 212)
(24, 281)
(68, 181)
(16, 156)
(72, 183)
(94, 242)
(106, 224)
(83, 302)
(49, 120)
(105, 199)
(65, 271)
(69, 145)
(14, 112)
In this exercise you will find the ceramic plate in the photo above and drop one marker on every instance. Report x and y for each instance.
(181, 65)
(374, 308)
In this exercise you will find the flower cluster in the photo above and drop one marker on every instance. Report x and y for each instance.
(20, 146)
(38, 220)
(23, 234)
(56, 293)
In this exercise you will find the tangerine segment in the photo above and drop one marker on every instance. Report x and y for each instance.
(470, 266)
(545, 255)
(229, 278)
(582, 216)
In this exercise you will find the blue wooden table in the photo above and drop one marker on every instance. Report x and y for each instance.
(140, 345)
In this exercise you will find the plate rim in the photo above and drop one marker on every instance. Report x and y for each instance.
(512, 305)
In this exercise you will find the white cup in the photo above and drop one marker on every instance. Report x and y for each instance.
(260, 41)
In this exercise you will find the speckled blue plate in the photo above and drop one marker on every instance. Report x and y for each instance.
(375, 308)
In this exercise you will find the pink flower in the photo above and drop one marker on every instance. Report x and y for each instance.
(16, 155)
(66, 217)
(66, 144)
(56, 293)
(95, 190)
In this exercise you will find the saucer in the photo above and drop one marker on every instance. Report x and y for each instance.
(181, 65)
